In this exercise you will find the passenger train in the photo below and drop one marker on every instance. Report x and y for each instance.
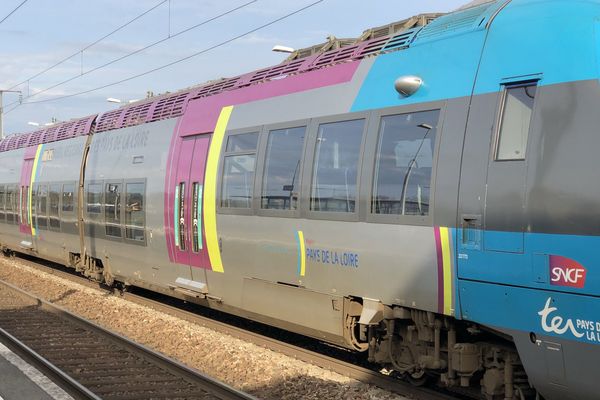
(426, 197)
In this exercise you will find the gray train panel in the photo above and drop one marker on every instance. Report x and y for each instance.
(126, 220)
(57, 232)
(10, 177)
(314, 103)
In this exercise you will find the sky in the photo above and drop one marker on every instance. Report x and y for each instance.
(43, 32)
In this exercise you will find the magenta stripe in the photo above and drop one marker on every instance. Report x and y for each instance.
(440, 262)
(200, 117)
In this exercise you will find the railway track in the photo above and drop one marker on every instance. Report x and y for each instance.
(348, 369)
(90, 362)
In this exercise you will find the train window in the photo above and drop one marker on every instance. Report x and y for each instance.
(94, 198)
(238, 179)
(180, 216)
(23, 197)
(517, 110)
(134, 211)
(334, 184)
(54, 204)
(112, 209)
(68, 197)
(197, 217)
(238, 170)
(2, 203)
(242, 142)
(282, 169)
(404, 164)
(10, 202)
(42, 207)
(33, 205)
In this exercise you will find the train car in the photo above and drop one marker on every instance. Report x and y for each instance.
(426, 197)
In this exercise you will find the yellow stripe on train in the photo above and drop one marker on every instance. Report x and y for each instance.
(210, 190)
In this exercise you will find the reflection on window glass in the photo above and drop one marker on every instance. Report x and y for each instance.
(2, 202)
(12, 201)
(238, 181)
(54, 200)
(42, 207)
(197, 241)
(404, 164)
(94, 198)
(68, 197)
(242, 142)
(516, 118)
(112, 209)
(336, 166)
(24, 205)
(282, 169)
(134, 211)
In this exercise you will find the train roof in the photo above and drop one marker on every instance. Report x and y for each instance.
(396, 36)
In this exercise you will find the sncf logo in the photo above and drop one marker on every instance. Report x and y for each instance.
(566, 272)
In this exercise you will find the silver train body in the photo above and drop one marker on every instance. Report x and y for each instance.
(442, 232)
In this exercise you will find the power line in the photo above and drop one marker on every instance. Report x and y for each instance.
(95, 42)
(13, 11)
(179, 60)
(139, 50)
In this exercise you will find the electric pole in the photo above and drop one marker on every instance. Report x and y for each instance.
(2, 109)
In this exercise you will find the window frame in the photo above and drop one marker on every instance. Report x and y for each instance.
(2, 203)
(221, 181)
(94, 216)
(37, 216)
(309, 161)
(50, 217)
(121, 216)
(501, 108)
(62, 199)
(262, 163)
(371, 162)
(127, 240)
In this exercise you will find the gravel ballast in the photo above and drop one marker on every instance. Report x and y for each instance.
(253, 369)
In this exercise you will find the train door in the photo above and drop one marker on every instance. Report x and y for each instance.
(24, 204)
(492, 220)
(189, 239)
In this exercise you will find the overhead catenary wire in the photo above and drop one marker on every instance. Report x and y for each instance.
(139, 50)
(220, 44)
(13, 11)
(95, 42)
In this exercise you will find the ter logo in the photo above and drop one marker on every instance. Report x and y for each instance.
(566, 272)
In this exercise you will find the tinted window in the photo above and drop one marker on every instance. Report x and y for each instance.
(10, 202)
(197, 242)
(42, 207)
(514, 126)
(238, 180)
(68, 197)
(242, 142)
(336, 166)
(282, 169)
(404, 164)
(238, 171)
(94, 198)
(2, 202)
(134, 211)
(54, 201)
(112, 209)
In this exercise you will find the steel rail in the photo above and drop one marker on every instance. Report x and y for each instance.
(353, 371)
(55, 374)
(203, 381)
